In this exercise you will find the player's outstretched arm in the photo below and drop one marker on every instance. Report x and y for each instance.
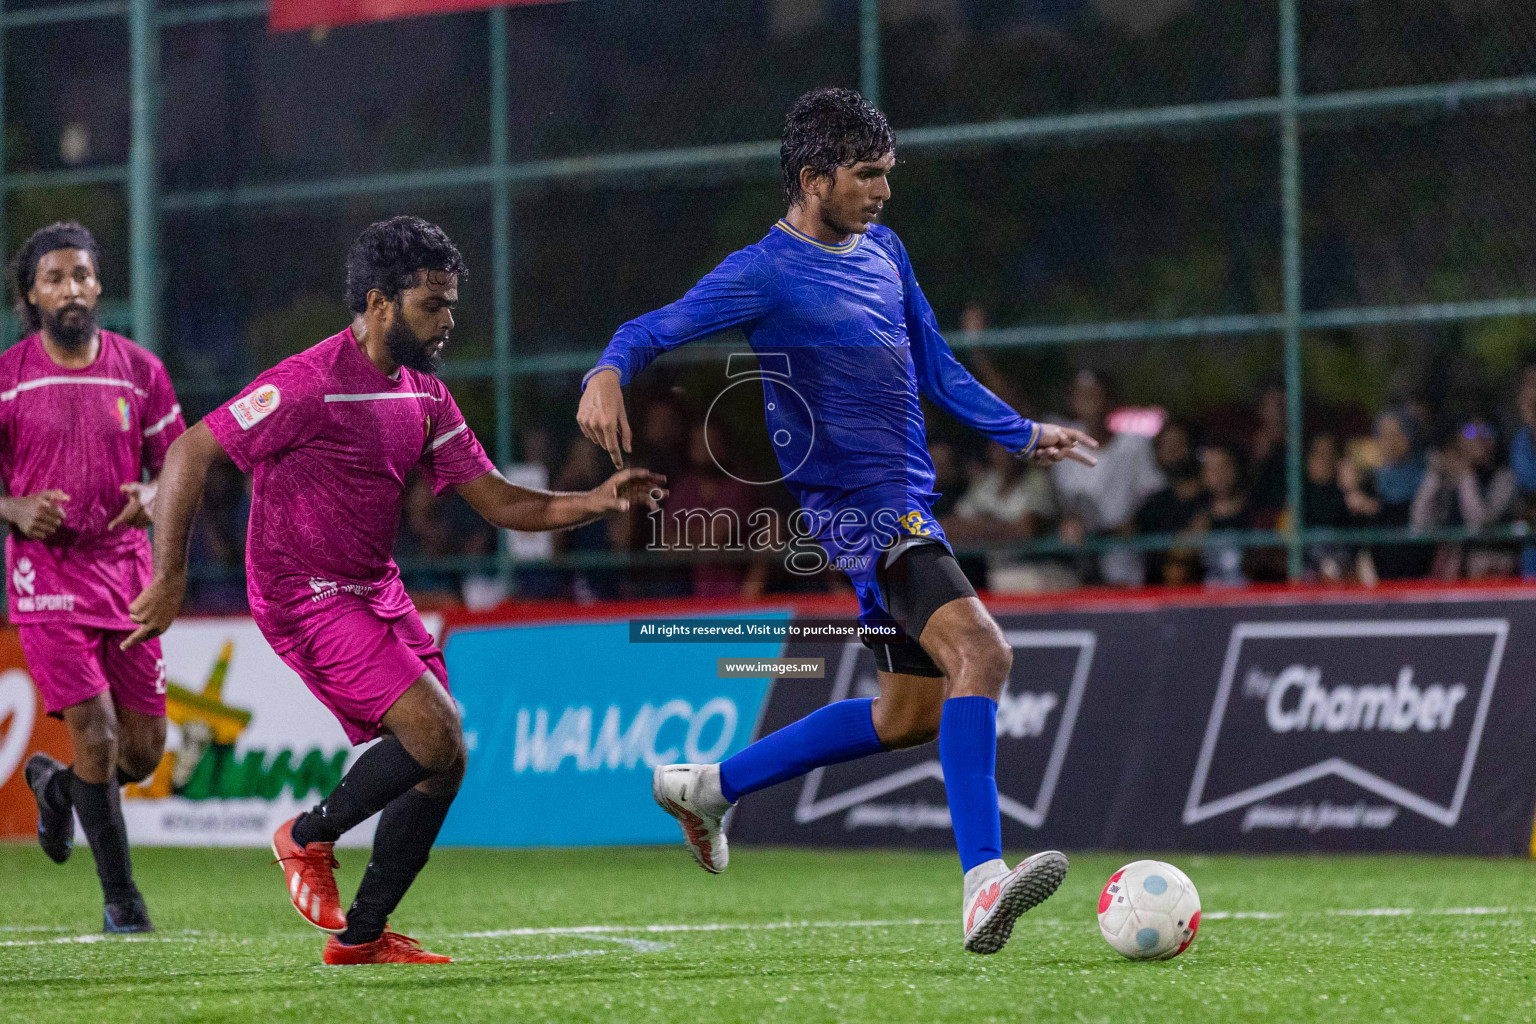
(601, 415)
(511, 507)
(180, 491)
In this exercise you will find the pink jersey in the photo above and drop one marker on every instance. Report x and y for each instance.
(86, 433)
(330, 440)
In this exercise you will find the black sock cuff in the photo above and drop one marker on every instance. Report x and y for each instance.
(384, 771)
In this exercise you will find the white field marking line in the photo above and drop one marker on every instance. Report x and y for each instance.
(597, 929)
(86, 940)
(532, 956)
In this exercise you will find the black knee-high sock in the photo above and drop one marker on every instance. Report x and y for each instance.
(101, 816)
(407, 829)
(383, 772)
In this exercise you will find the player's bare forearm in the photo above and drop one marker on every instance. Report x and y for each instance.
(178, 493)
(506, 505)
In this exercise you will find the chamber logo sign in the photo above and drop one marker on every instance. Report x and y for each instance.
(1034, 729)
(1394, 708)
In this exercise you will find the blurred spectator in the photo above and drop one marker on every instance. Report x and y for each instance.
(1323, 506)
(973, 319)
(948, 478)
(1009, 501)
(1463, 487)
(661, 445)
(1522, 462)
(704, 488)
(1102, 499)
(1266, 450)
(1388, 501)
(585, 467)
(1225, 508)
(426, 540)
(1173, 509)
(218, 540)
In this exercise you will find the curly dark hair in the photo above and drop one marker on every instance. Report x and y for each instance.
(66, 234)
(389, 254)
(830, 128)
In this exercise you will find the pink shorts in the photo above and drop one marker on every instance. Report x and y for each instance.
(72, 664)
(358, 665)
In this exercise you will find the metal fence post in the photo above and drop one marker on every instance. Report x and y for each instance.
(869, 50)
(143, 224)
(1290, 205)
(501, 258)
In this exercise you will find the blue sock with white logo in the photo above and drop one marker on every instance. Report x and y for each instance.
(831, 735)
(968, 752)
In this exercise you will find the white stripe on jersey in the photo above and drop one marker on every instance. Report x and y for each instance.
(163, 422)
(378, 395)
(43, 382)
(455, 432)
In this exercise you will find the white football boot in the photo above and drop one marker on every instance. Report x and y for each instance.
(995, 897)
(691, 794)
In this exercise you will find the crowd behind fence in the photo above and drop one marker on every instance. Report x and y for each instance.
(1294, 233)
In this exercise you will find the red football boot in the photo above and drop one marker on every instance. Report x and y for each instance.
(311, 882)
(389, 948)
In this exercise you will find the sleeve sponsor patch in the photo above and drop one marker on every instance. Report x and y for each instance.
(256, 406)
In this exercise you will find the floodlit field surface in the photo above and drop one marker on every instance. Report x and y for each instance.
(783, 936)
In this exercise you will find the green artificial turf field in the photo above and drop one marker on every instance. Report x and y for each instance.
(783, 936)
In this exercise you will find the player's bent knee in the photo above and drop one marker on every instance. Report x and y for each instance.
(985, 661)
(136, 767)
(911, 724)
(444, 752)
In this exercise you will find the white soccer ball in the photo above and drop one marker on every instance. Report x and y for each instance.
(1149, 910)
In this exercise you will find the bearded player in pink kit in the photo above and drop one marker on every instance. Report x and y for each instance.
(331, 434)
(85, 414)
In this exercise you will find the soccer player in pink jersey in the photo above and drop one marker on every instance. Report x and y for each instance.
(331, 434)
(85, 416)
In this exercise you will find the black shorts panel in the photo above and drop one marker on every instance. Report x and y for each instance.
(918, 581)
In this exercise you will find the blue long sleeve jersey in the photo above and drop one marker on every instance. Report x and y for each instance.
(845, 342)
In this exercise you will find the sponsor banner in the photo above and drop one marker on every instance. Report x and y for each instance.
(24, 729)
(1402, 726)
(1064, 728)
(247, 745)
(564, 723)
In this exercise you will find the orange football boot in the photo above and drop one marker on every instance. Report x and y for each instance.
(389, 948)
(311, 879)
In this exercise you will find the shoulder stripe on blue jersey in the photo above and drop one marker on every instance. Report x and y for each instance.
(846, 247)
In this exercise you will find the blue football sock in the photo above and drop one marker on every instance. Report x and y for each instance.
(831, 735)
(968, 752)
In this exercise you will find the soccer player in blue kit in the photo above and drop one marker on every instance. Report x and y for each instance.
(832, 296)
